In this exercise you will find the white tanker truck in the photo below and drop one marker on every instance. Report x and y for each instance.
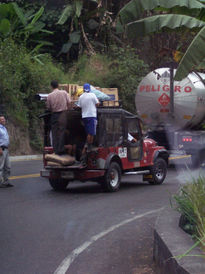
(174, 112)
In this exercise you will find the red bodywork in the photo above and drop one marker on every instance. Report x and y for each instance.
(98, 161)
(111, 144)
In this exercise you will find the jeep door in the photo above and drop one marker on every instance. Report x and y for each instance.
(132, 127)
(110, 132)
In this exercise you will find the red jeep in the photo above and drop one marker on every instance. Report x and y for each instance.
(112, 156)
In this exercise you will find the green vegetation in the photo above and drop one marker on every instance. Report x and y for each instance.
(21, 78)
(190, 202)
(121, 69)
(93, 69)
(162, 16)
(126, 72)
(23, 26)
(84, 41)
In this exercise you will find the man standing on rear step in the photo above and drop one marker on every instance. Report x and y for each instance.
(88, 102)
(58, 102)
(4, 155)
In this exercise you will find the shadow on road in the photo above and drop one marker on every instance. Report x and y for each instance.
(95, 188)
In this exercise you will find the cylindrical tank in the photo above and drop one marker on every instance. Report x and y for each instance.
(153, 100)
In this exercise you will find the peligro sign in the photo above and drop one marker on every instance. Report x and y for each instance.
(153, 88)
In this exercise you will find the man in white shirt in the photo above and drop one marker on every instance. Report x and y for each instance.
(88, 103)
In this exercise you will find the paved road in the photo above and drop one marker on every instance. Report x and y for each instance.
(82, 230)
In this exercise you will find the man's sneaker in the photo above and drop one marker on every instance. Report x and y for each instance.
(3, 186)
(9, 185)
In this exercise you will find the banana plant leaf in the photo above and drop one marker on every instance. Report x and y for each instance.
(193, 56)
(67, 13)
(78, 7)
(20, 14)
(41, 43)
(157, 22)
(201, 65)
(37, 59)
(7, 11)
(65, 48)
(75, 37)
(46, 31)
(35, 28)
(93, 24)
(5, 27)
(135, 8)
(37, 15)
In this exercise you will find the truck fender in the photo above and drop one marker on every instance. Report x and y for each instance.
(113, 157)
(163, 153)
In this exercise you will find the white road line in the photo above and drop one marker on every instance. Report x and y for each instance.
(65, 264)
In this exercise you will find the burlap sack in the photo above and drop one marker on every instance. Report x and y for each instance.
(65, 160)
(49, 163)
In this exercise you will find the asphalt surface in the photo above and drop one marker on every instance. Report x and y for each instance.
(82, 230)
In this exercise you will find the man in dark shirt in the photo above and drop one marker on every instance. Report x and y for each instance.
(58, 102)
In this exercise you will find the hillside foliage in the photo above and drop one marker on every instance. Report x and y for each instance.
(22, 77)
(75, 41)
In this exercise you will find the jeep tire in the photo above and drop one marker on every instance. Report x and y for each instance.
(112, 178)
(158, 171)
(58, 184)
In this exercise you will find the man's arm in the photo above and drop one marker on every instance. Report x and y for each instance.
(48, 106)
(68, 99)
(1, 137)
(97, 103)
(131, 138)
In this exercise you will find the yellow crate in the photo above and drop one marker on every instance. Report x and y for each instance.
(112, 92)
(63, 86)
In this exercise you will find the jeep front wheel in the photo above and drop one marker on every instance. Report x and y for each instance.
(58, 184)
(158, 171)
(112, 178)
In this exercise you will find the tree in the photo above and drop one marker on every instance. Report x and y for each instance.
(90, 25)
(193, 58)
(23, 26)
(163, 14)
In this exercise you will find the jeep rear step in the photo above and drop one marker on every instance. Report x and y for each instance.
(78, 166)
(137, 172)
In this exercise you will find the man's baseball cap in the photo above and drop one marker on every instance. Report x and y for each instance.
(86, 87)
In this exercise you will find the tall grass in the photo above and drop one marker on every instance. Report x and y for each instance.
(190, 202)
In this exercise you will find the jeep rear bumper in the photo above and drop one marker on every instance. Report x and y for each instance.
(71, 174)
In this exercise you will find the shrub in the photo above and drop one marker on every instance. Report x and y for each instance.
(121, 69)
(190, 202)
(93, 69)
(21, 77)
(126, 72)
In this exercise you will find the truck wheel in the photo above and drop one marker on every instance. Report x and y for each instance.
(158, 171)
(58, 184)
(112, 178)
